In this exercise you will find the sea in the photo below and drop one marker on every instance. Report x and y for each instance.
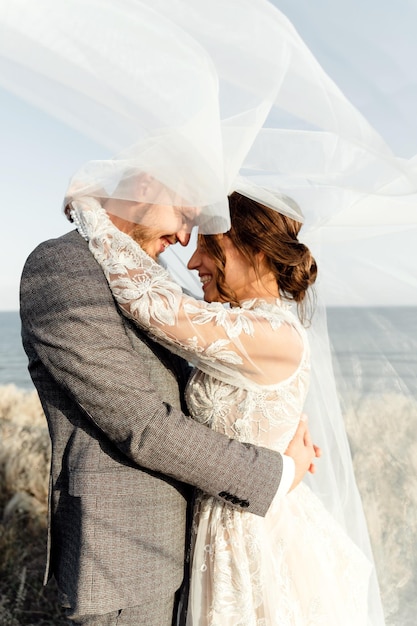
(374, 349)
(13, 360)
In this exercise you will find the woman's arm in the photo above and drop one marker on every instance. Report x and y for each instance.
(230, 343)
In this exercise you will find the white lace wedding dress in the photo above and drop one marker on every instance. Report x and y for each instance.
(296, 566)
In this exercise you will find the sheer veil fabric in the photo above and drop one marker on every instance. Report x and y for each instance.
(209, 97)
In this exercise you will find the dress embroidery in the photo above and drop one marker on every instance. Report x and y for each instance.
(295, 567)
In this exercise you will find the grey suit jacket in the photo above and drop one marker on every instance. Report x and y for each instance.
(123, 453)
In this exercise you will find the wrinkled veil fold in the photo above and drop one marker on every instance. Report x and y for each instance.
(197, 93)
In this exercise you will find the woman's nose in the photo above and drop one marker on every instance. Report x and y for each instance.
(193, 263)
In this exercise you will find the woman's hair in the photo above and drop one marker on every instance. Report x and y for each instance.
(257, 228)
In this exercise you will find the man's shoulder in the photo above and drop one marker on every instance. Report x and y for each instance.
(67, 246)
(71, 239)
(60, 268)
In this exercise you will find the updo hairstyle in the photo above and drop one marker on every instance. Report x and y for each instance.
(257, 228)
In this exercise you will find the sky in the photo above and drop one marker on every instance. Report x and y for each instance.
(368, 48)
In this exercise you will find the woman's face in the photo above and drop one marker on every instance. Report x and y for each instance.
(239, 274)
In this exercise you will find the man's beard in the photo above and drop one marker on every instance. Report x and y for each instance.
(142, 235)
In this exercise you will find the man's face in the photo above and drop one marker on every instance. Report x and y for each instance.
(156, 218)
(159, 226)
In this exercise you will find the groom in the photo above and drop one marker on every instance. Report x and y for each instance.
(124, 454)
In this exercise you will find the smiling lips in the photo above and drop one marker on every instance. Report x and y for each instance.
(165, 243)
(205, 279)
(168, 240)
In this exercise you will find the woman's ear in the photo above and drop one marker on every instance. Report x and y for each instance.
(263, 267)
(260, 260)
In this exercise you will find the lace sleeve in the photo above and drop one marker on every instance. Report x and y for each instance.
(260, 345)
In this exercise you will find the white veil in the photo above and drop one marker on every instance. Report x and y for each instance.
(197, 93)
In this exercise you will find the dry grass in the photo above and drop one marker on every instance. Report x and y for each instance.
(24, 476)
(381, 431)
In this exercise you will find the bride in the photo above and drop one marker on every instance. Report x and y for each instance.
(296, 566)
